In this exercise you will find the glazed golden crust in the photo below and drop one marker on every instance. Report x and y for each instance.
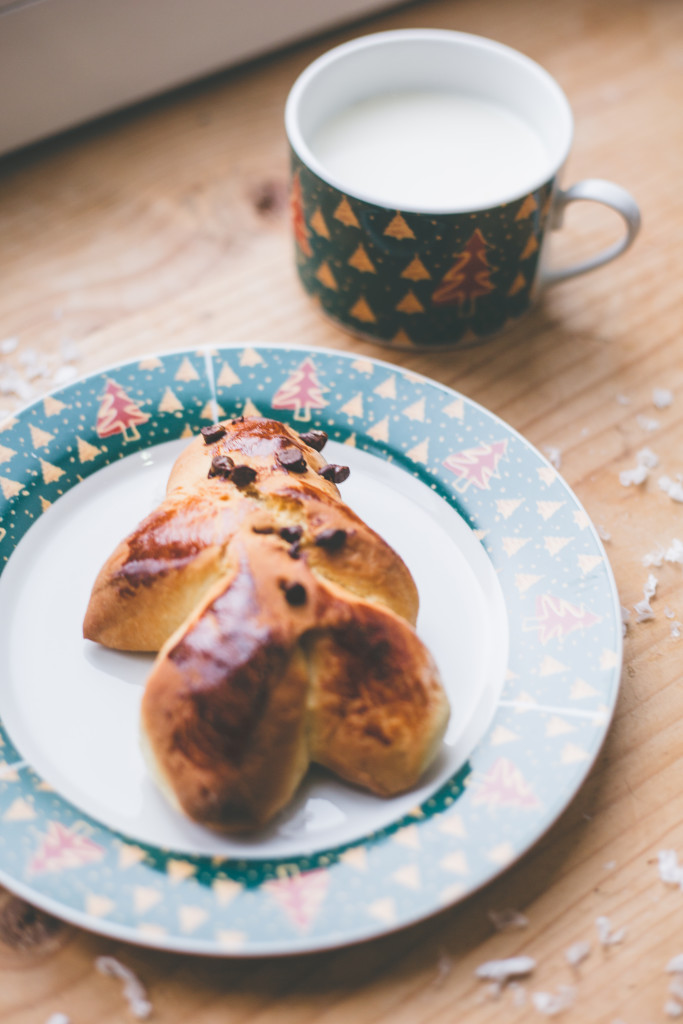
(155, 577)
(286, 633)
(378, 711)
(224, 711)
(253, 688)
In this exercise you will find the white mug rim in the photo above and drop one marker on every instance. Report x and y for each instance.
(308, 75)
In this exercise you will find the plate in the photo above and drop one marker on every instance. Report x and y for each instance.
(518, 606)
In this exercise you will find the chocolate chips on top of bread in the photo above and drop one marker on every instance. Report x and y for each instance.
(295, 593)
(337, 474)
(316, 439)
(291, 533)
(331, 540)
(243, 475)
(221, 465)
(293, 460)
(213, 433)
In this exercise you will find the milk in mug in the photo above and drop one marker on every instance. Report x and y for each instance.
(431, 150)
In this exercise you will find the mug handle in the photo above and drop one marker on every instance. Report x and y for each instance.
(595, 190)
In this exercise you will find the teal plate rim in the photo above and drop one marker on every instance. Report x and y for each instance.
(558, 698)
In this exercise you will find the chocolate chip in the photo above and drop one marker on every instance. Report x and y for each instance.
(293, 460)
(243, 475)
(331, 540)
(291, 533)
(314, 439)
(213, 433)
(221, 465)
(295, 593)
(237, 419)
(294, 550)
(337, 474)
(265, 528)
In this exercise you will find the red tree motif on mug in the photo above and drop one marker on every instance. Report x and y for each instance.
(298, 220)
(469, 278)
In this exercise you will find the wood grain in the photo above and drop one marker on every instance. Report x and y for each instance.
(166, 226)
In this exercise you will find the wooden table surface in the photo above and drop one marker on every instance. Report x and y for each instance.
(166, 227)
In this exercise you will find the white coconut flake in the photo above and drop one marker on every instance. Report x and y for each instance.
(8, 346)
(646, 457)
(655, 557)
(623, 399)
(645, 461)
(577, 953)
(673, 1009)
(670, 613)
(676, 630)
(134, 991)
(502, 970)
(674, 553)
(647, 423)
(554, 455)
(637, 475)
(674, 488)
(671, 873)
(552, 1003)
(507, 919)
(58, 1018)
(662, 398)
(603, 533)
(606, 934)
(644, 611)
(643, 608)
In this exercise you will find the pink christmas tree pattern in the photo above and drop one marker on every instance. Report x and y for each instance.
(61, 848)
(556, 618)
(476, 466)
(302, 391)
(300, 896)
(119, 414)
(505, 786)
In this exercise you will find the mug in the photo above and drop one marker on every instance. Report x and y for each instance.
(425, 169)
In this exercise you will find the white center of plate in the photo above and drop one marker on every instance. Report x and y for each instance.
(71, 707)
